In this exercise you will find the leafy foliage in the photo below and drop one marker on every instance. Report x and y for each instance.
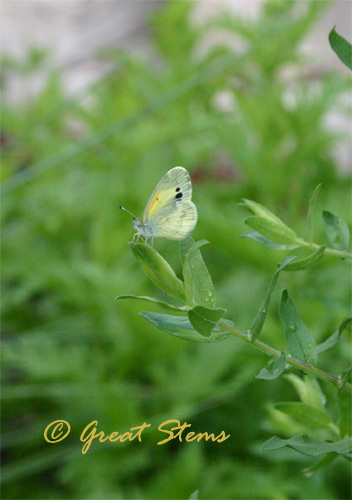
(342, 48)
(70, 351)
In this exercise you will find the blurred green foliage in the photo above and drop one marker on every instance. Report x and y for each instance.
(246, 123)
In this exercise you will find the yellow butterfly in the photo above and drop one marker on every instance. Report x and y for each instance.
(169, 213)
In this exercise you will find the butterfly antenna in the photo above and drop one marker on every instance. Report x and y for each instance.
(122, 208)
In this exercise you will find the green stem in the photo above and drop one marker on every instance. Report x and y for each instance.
(342, 254)
(270, 351)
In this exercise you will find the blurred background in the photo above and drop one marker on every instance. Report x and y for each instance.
(99, 100)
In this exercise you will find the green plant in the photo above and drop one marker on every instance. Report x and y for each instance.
(68, 351)
(342, 47)
(201, 321)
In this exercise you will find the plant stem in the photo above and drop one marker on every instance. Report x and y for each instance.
(270, 351)
(342, 254)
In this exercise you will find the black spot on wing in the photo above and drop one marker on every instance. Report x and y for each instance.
(178, 196)
(177, 190)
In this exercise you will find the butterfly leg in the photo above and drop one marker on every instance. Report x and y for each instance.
(134, 236)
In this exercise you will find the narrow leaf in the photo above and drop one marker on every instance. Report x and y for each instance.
(306, 414)
(260, 210)
(204, 320)
(309, 446)
(271, 229)
(161, 303)
(179, 326)
(254, 235)
(341, 47)
(300, 265)
(199, 288)
(311, 207)
(324, 462)
(336, 230)
(345, 406)
(158, 270)
(274, 369)
(260, 317)
(193, 248)
(194, 495)
(300, 342)
(309, 390)
(335, 337)
(346, 375)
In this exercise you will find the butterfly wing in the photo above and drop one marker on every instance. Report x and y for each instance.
(175, 185)
(174, 221)
(169, 212)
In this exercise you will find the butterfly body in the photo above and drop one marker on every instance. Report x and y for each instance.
(169, 213)
(142, 229)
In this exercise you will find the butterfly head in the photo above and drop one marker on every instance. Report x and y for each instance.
(137, 223)
(142, 229)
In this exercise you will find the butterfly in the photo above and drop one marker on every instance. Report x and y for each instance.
(169, 213)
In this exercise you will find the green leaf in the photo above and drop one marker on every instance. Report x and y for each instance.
(158, 270)
(307, 262)
(308, 390)
(194, 495)
(346, 375)
(341, 47)
(306, 414)
(335, 337)
(199, 288)
(309, 446)
(311, 207)
(345, 406)
(260, 210)
(336, 230)
(254, 235)
(271, 229)
(324, 462)
(193, 248)
(204, 320)
(260, 317)
(161, 303)
(273, 369)
(300, 342)
(179, 326)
